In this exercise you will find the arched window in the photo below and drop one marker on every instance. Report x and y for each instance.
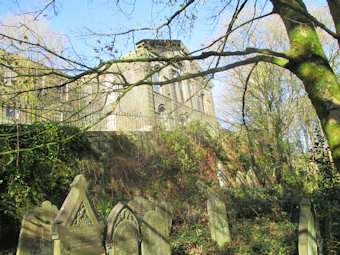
(180, 85)
(157, 87)
(202, 101)
(161, 108)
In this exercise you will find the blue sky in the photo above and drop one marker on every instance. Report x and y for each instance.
(73, 17)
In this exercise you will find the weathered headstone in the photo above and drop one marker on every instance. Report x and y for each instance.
(123, 231)
(140, 205)
(35, 234)
(125, 239)
(219, 227)
(76, 230)
(221, 175)
(307, 229)
(166, 211)
(240, 180)
(252, 179)
(155, 234)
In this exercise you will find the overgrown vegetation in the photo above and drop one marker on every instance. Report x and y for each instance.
(179, 166)
(41, 170)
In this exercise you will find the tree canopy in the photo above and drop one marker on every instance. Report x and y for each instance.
(304, 56)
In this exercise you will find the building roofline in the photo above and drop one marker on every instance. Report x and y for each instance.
(161, 43)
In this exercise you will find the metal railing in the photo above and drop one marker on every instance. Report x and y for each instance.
(25, 114)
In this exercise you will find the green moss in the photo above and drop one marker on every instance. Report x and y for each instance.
(333, 131)
(304, 42)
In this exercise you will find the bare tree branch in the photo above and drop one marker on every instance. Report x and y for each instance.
(165, 24)
(314, 20)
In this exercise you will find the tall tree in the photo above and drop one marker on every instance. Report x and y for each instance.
(305, 57)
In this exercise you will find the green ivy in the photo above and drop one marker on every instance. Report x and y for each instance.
(37, 163)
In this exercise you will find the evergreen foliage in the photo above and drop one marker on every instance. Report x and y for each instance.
(40, 167)
(179, 166)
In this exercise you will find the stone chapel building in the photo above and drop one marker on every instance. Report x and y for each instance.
(145, 106)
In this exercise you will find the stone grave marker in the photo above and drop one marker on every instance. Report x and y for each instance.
(221, 175)
(307, 242)
(76, 229)
(252, 179)
(35, 234)
(123, 232)
(166, 211)
(125, 239)
(240, 180)
(140, 205)
(155, 234)
(219, 227)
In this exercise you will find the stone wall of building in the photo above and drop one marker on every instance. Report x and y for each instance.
(185, 100)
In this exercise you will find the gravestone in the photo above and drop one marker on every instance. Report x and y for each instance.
(219, 227)
(221, 175)
(252, 179)
(76, 229)
(35, 234)
(307, 241)
(240, 180)
(123, 231)
(166, 211)
(155, 234)
(125, 239)
(140, 205)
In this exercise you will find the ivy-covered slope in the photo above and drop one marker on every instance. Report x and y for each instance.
(37, 163)
(178, 165)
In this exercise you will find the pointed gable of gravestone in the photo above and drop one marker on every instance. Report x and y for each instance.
(123, 231)
(76, 229)
(35, 234)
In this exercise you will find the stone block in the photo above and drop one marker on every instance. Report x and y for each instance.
(307, 241)
(155, 234)
(165, 210)
(219, 227)
(35, 234)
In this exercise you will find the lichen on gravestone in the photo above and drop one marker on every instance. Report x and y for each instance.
(307, 240)
(240, 180)
(35, 234)
(252, 179)
(155, 234)
(122, 231)
(140, 205)
(218, 224)
(76, 229)
(221, 175)
(165, 209)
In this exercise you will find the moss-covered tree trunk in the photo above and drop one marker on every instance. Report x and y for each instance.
(308, 61)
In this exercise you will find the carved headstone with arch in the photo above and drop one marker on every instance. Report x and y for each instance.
(123, 235)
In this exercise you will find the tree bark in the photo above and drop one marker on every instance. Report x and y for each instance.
(334, 7)
(308, 61)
